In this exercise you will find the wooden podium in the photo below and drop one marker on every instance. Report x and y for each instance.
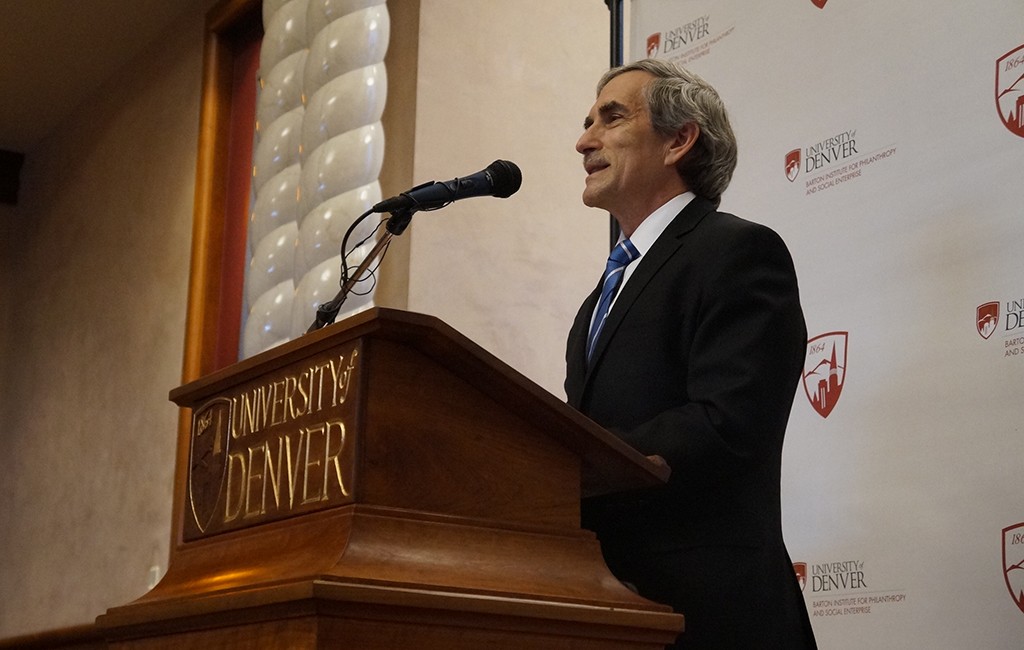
(386, 483)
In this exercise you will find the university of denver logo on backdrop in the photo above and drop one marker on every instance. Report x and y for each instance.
(653, 45)
(825, 370)
(1013, 562)
(800, 569)
(820, 4)
(685, 42)
(987, 319)
(1010, 90)
(793, 165)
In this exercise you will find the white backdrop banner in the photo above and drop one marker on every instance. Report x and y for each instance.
(885, 142)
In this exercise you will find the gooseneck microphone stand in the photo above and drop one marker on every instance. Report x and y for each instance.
(501, 179)
(395, 225)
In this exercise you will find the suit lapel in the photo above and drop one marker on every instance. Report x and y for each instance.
(663, 249)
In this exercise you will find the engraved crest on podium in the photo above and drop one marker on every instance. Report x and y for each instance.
(211, 425)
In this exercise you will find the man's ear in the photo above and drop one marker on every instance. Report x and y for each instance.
(681, 143)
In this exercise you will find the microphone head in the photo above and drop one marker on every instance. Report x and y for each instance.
(505, 178)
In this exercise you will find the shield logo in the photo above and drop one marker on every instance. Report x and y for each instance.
(825, 370)
(653, 45)
(793, 165)
(987, 319)
(208, 458)
(1010, 90)
(1013, 562)
(800, 568)
(820, 4)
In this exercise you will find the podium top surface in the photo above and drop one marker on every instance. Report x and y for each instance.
(609, 464)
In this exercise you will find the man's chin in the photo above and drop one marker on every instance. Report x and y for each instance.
(592, 199)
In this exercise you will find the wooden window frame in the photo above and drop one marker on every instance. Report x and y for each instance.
(220, 217)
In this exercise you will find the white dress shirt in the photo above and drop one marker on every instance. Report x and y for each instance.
(648, 232)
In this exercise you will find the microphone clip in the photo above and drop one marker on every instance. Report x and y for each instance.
(399, 221)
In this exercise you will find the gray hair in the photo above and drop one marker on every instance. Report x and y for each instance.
(676, 97)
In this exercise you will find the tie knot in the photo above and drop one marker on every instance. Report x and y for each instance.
(623, 253)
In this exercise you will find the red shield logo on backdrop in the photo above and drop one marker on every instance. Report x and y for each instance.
(825, 371)
(800, 568)
(793, 165)
(987, 319)
(1013, 562)
(1010, 90)
(653, 45)
(820, 4)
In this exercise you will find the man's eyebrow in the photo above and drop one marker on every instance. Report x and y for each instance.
(611, 107)
(604, 109)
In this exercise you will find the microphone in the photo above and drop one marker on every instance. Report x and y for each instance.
(501, 179)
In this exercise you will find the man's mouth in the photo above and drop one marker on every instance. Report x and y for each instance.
(592, 167)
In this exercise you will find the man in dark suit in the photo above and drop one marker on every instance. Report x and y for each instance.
(696, 361)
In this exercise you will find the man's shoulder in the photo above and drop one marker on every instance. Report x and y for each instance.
(725, 240)
(727, 224)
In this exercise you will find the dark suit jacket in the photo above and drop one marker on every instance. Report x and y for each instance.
(698, 362)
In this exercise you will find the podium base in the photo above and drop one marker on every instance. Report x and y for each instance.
(323, 614)
(463, 584)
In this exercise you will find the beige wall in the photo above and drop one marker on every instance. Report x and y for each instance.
(96, 254)
(509, 80)
(96, 267)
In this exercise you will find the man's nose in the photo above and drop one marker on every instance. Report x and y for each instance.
(587, 141)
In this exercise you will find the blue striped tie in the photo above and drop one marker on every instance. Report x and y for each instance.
(619, 258)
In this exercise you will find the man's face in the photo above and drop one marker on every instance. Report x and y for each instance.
(625, 159)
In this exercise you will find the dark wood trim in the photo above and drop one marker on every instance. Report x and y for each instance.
(10, 176)
(203, 327)
(79, 637)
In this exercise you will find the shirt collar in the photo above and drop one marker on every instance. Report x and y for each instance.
(651, 228)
